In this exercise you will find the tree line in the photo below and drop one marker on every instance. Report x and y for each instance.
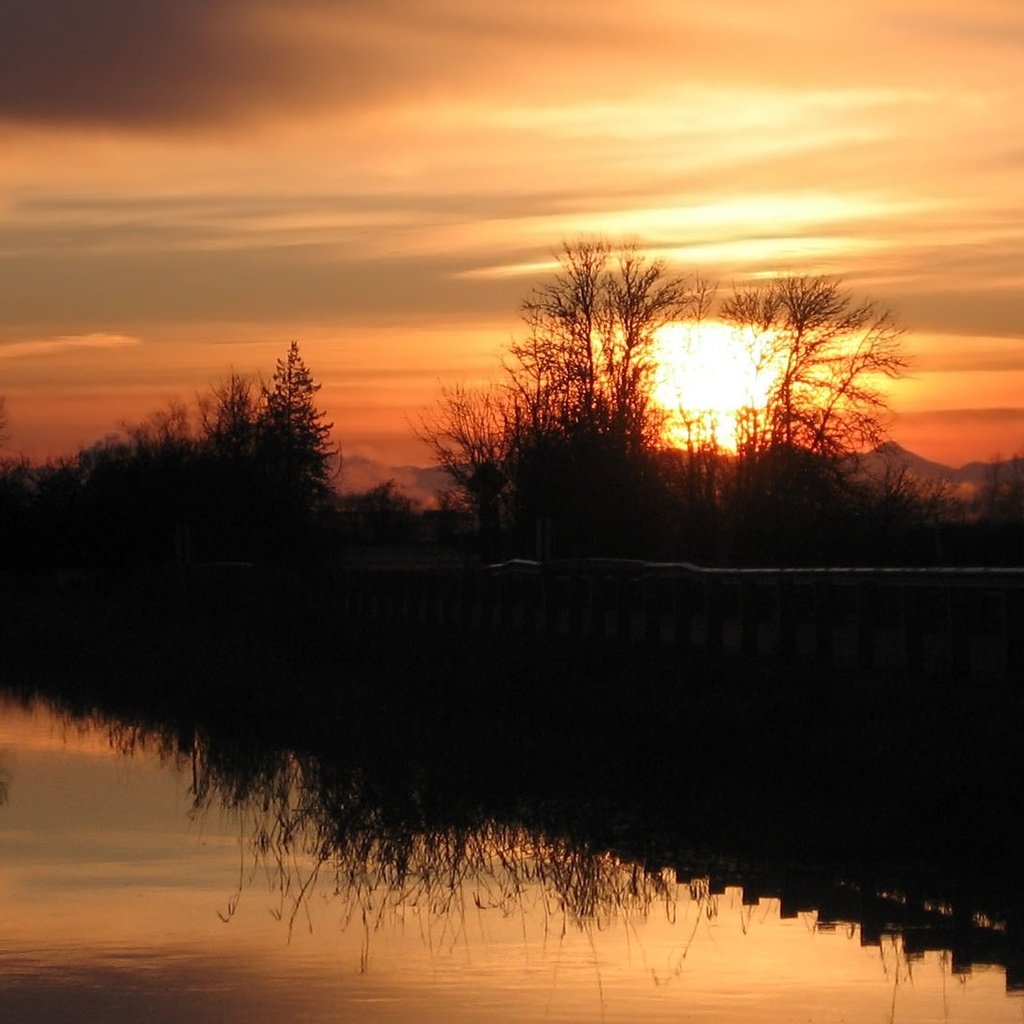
(568, 452)
(569, 444)
(245, 474)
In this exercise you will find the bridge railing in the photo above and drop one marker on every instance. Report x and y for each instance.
(967, 622)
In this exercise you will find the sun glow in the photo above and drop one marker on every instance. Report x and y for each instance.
(707, 373)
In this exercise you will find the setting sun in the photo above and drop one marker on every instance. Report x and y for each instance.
(707, 373)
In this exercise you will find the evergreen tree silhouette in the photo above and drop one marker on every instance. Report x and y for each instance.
(295, 441)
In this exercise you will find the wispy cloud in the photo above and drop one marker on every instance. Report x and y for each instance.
(65, 343)
(158, 64)
(181, 167)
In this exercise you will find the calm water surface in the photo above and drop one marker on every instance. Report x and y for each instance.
(132, 890)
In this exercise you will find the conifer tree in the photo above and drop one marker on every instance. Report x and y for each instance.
(294, 437)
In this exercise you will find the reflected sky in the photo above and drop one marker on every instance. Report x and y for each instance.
(119, 901)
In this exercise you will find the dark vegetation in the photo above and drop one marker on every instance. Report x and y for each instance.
(246, 475)
(565, 455)
(652, 755)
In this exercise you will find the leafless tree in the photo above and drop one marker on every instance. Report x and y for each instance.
(229, 416)
(1000, 496)
(586, 363)
(828, 354)
(471, 434)
(166, 431)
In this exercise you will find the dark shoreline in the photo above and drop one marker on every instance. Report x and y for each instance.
(754, 759)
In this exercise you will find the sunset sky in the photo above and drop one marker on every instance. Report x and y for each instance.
(186, 185)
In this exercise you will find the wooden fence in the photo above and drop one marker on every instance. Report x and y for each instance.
(967, 623)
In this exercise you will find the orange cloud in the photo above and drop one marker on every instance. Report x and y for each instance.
(174, 170)
(65, 343)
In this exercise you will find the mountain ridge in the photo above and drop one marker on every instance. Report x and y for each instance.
(972, 473)
(360, 472)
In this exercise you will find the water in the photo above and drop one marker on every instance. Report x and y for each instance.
(147, 876)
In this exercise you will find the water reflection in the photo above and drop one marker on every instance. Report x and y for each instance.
(312, 825)
(379, 849)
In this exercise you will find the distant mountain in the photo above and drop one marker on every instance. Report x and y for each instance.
(977, 472)
(972, 474)
(893, 453)
(359, 473)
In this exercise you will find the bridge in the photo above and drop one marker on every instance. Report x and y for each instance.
(967, 623)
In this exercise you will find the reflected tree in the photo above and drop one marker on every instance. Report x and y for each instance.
(311, 824)
(384, 842)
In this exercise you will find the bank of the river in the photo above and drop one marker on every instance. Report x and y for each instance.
(751, 758)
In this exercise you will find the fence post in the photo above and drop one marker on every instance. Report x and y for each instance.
(824, 615)
(1013, 633)
(785, 596)
(866, 614)
(913, 628)
(682, 611)
(959, 634)
(713, 614)
(748, 612)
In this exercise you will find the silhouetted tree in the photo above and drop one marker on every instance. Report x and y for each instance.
(4, 436)
(903, 514)
(382, 514)
(565, 441)
(471, 434)
(294, 439)
(580, 396)
(825, 354)
(236, 478)
(587, 363)
(1001, 494)
(17, 504)
(230, 416)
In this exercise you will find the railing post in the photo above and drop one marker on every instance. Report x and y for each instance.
(494, 602)
(713, 614)
(621, 608)
(477, 614)
(577, 595)
(866, 616)
(1013, 634)
(785, 596)
(913, 628)
(824, 614)
(656, 594)
(959, 634)
(599, 608)
(535, 604)
(748, 612)
(682, 611)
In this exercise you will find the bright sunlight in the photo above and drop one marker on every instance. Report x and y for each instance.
(706, 374)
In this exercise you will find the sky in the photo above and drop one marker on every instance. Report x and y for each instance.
(188, 185)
